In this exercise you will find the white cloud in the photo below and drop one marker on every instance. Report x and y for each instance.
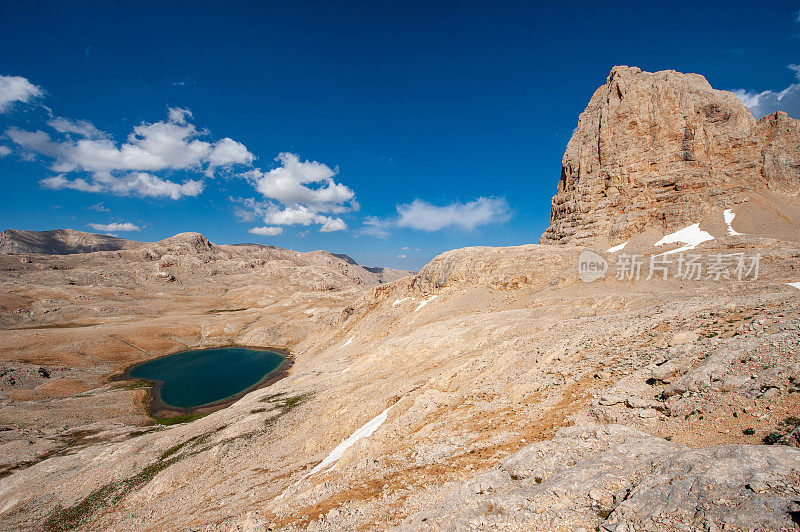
(298, 193)
(149, 185)
(126, 169)
(178, 115)
(126, 226)
(82, 128)
(138, 183)
(405, 248)
(4, 150)
(425, 216)
(16, 89)
(274, 214)
(266, 231)
(289, 184)
(99, 207)
(333, 224)
(59, 182)
(377, 227)
(300, 215)
(401, 256)
(767, 102)
(227, 152)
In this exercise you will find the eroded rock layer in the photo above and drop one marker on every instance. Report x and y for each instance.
(659, 150)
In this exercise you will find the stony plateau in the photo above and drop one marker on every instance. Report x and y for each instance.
(492, 390)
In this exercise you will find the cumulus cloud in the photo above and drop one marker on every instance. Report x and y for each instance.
(425, 216)
(401, 256)
(16, 89)
(4, 150)
(306, 183)
(298, 193)
(766, 102)
(333, 224)
(227, 152)
(274, 214)
(128, 168)
(124, 226)
(266, 231)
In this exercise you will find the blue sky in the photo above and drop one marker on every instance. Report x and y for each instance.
(391, 131)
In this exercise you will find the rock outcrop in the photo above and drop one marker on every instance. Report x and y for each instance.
(658, 150)
(616, 478)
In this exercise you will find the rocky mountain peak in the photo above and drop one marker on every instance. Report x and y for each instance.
(193, 242)
(658, 149)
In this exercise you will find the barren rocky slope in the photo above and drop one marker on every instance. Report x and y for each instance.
(70, 322)
(492, 390)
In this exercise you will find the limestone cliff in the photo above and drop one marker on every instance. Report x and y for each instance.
(658, 150)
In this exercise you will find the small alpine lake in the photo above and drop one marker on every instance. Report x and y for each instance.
(203, 380)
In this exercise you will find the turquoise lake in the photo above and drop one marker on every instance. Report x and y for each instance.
(199, 377)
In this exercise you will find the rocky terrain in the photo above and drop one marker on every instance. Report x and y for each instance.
(660, 149)
(70, 322)
(494, 389)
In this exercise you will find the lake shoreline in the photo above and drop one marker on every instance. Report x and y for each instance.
(158, 409)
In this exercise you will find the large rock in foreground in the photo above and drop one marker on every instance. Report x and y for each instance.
(658, 149)
(611, 477)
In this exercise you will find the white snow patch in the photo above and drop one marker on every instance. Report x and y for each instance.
(398, 301)
(425, 302)
(729, 216)
(348, 342)
(692, 236)
(364, 432)
(616, 248)
(794, 285)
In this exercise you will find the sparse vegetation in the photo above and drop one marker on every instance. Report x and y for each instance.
(184, 418)
(604, 513)
(749, 431)
(785, 427)
(285, 404)
(62, 519)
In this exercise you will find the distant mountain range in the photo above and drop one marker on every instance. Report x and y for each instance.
(71, 241)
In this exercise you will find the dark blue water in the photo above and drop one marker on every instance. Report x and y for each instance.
(203, 376)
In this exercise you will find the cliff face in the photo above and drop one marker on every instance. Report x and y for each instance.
(658, 149)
